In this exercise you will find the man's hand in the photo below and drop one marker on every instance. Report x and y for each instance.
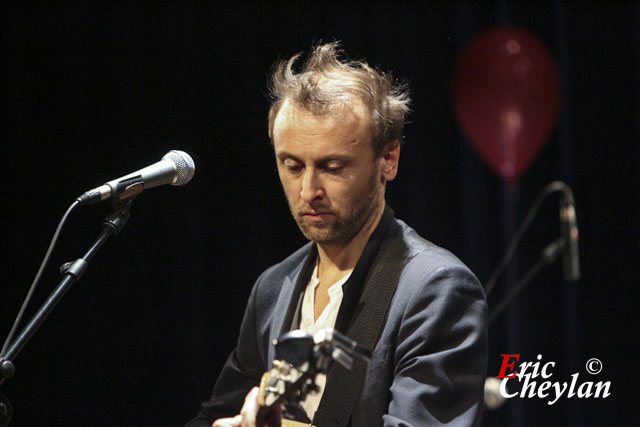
(228, 422)
(248, 414)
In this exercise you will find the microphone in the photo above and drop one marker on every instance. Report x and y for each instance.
(493, 399)
(175, 168)
(569, 229)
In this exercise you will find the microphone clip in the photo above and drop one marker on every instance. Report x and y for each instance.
(120, 215)
(128, 188)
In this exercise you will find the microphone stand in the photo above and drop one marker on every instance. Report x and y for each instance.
(72, 272)
(549, 255)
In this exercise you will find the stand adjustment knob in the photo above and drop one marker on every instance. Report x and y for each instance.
(7, 369)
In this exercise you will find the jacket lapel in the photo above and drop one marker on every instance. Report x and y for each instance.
(289, 300)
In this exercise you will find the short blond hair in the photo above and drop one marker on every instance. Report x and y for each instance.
(327, 82)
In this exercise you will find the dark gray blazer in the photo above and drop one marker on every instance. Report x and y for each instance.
(418, 307)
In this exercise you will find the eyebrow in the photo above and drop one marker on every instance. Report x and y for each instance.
(282, 155)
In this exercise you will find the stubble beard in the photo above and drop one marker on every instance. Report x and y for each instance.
(346, 225)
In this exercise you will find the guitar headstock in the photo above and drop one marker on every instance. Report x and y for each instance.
(299, 358)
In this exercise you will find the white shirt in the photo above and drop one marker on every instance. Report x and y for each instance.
(326, 319)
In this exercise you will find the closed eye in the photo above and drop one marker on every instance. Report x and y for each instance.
(291, 165)
(333, 167)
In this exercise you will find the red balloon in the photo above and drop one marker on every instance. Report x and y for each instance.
(506, 96)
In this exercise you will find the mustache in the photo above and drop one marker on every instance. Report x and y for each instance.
(313, 207)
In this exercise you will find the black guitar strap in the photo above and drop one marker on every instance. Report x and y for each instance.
(362, 314)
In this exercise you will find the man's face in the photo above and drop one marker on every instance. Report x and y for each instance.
(331, 179)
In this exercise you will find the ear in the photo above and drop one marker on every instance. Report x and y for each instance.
(390, 160)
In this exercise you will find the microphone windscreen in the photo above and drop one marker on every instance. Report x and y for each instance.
(493, 399)
(185, 166)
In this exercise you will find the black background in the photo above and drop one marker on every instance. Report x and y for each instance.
(94, 91)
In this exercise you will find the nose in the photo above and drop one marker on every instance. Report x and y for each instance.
(311, 189)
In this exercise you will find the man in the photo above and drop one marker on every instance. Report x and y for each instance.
(336, 129)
